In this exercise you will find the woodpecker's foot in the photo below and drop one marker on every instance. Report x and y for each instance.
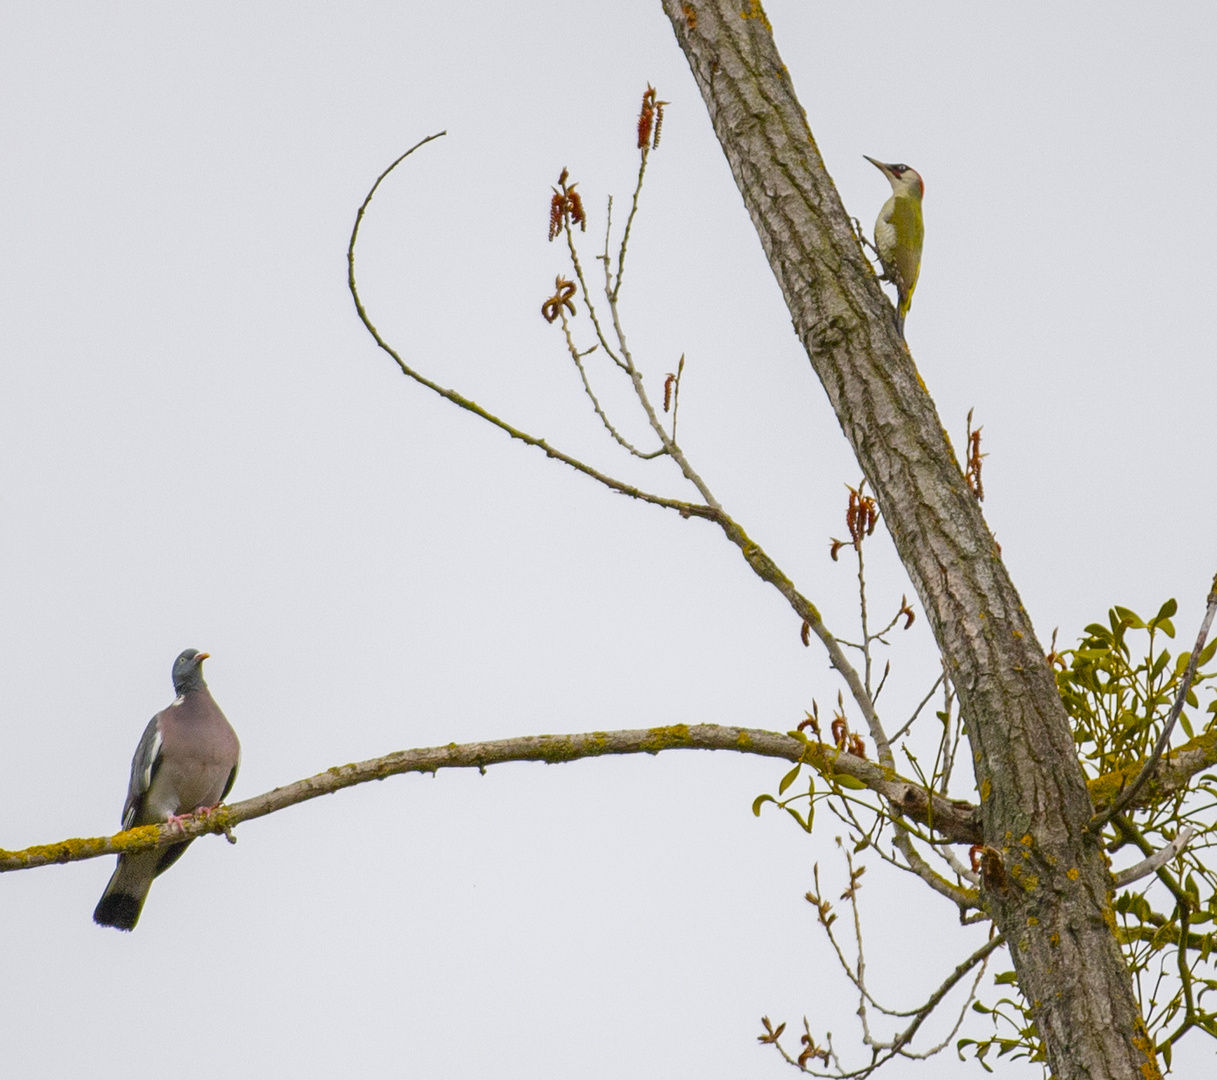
(861, 235)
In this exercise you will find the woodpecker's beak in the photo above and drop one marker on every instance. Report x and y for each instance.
(885, 169)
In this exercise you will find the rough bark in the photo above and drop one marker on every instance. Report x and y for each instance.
(1049, 894)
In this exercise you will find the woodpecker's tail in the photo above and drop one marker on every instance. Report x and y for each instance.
(904, 300)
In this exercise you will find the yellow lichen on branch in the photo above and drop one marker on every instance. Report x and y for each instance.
(954, 820)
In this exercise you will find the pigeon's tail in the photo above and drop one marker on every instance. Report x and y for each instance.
(119, 910)
(124, 897)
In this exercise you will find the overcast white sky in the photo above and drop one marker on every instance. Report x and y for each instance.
(200, 446)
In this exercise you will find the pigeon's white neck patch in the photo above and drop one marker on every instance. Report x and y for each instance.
(177, 700)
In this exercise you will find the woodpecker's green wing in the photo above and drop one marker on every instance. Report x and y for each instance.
(910, 232)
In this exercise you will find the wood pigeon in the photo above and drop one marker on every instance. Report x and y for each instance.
(186, 762)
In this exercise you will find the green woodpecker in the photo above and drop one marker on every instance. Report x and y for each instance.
(899, 231)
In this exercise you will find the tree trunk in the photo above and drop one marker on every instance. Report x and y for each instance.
(1050, 895)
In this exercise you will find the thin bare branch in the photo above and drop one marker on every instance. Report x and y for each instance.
(685, 509)
(883, 747)
(629, 224)
(861, 518)
(917, 865)
(763, 566)
(669, 443)
(898, 1044)
(980, 956)
(679, 373)
(910, 860)
(1158, 859)
(944, 852)
(578, 356)
(917, 711)
(573, 252)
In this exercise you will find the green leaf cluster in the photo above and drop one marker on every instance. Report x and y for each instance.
(807, 816)
(1120, 683)
(1010, 1014)
(1118, 687)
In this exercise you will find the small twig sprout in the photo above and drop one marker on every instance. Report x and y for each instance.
(564, 292)
(975, 460)
(563, 206)
(650, 120)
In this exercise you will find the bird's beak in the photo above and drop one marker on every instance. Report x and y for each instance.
(201, 657)
(885, 169)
